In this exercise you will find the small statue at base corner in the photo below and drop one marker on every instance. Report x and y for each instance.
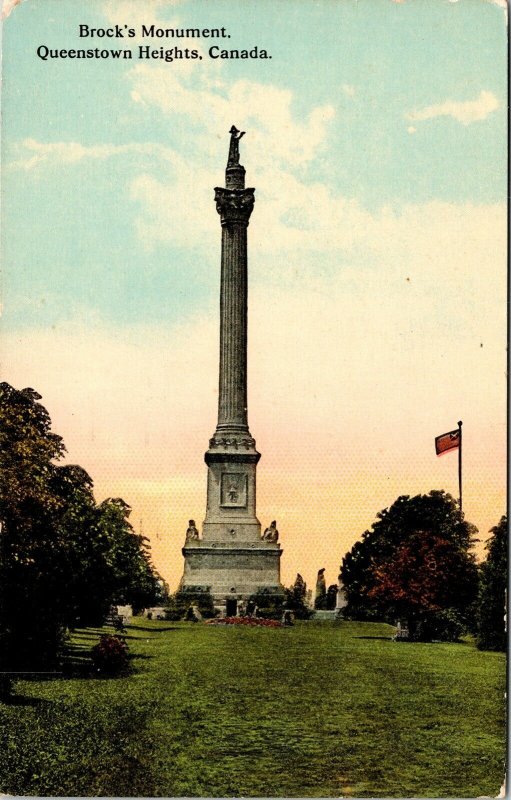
(271, 534)
(191, 531)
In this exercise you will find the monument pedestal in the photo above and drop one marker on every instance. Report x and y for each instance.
(232, 572)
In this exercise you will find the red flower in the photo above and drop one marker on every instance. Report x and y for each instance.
(252, 621)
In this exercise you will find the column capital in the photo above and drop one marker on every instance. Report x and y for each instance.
(234, 205)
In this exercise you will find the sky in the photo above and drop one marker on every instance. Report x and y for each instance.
(376, 141)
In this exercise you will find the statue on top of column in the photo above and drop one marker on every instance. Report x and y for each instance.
(234, 147)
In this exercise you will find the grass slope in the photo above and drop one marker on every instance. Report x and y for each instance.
(318, 710)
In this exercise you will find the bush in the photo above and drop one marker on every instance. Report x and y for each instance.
(269, 604)
(269, 613)
(110, 655)
(448, 626)
(443, 626)
(179, 603)
(363, 614)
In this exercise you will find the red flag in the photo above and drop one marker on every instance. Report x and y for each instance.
(447, 441)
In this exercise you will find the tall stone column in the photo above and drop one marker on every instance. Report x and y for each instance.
(234, 204)
(231, 557)
(232, 456)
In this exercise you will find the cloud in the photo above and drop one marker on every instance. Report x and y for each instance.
(134, 13)
(411, 129)
(264, 109)
(283, 146)
(314, 219)
(463, 111)
(349, 90)
(34, 154)
(172, 207)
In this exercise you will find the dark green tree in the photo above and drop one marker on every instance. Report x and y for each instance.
(299, 589)
(295, 599)
(110, 563)
(331, 597)
(491, 629)
(33, 553)
(62, 558)
(320, 596)
(133, 578)
(385, 565)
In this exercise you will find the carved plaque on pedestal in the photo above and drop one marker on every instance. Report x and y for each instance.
(233, 490)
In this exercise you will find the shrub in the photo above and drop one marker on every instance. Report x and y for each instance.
(444, 626)
(448, 625)
(179, 603)
(110, 655)
(269, 613)
(269, 604)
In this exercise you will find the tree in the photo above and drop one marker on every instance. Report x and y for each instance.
(62, 557)
(32, 543)
(491, 627)
(299, 590)
(111, 564)
(320, 597)
(422, 581)
(133, 578)
(414, 562)
(295, 599)
(331, 597)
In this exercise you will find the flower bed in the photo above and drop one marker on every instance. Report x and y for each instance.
(253, 621)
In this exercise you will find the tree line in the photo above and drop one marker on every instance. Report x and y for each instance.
(64, 559)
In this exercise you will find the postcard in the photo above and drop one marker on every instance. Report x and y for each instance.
(253, 532)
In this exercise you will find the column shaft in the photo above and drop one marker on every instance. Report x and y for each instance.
(232, 400)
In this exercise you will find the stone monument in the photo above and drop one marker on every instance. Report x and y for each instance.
(231, 559)
(342, 600)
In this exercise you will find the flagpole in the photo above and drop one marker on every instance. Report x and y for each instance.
(460, 423)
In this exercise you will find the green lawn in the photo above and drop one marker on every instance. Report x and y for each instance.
(319, 710)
